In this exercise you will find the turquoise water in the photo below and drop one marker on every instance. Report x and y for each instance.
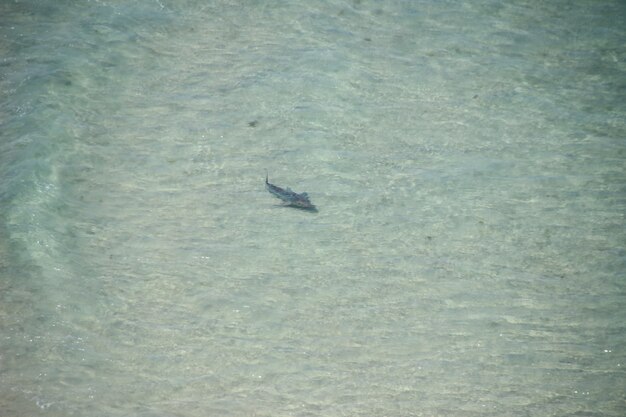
(467, 159)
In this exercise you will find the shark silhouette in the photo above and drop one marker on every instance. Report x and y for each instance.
(290, 198)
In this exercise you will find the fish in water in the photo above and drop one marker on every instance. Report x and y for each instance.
(291, 198)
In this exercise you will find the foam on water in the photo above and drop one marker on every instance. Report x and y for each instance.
(467, 161)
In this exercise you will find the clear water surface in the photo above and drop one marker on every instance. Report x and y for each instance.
(467, 159)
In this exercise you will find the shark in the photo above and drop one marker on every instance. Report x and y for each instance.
(290, 198)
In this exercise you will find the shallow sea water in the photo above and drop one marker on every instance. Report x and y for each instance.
(467, 160)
